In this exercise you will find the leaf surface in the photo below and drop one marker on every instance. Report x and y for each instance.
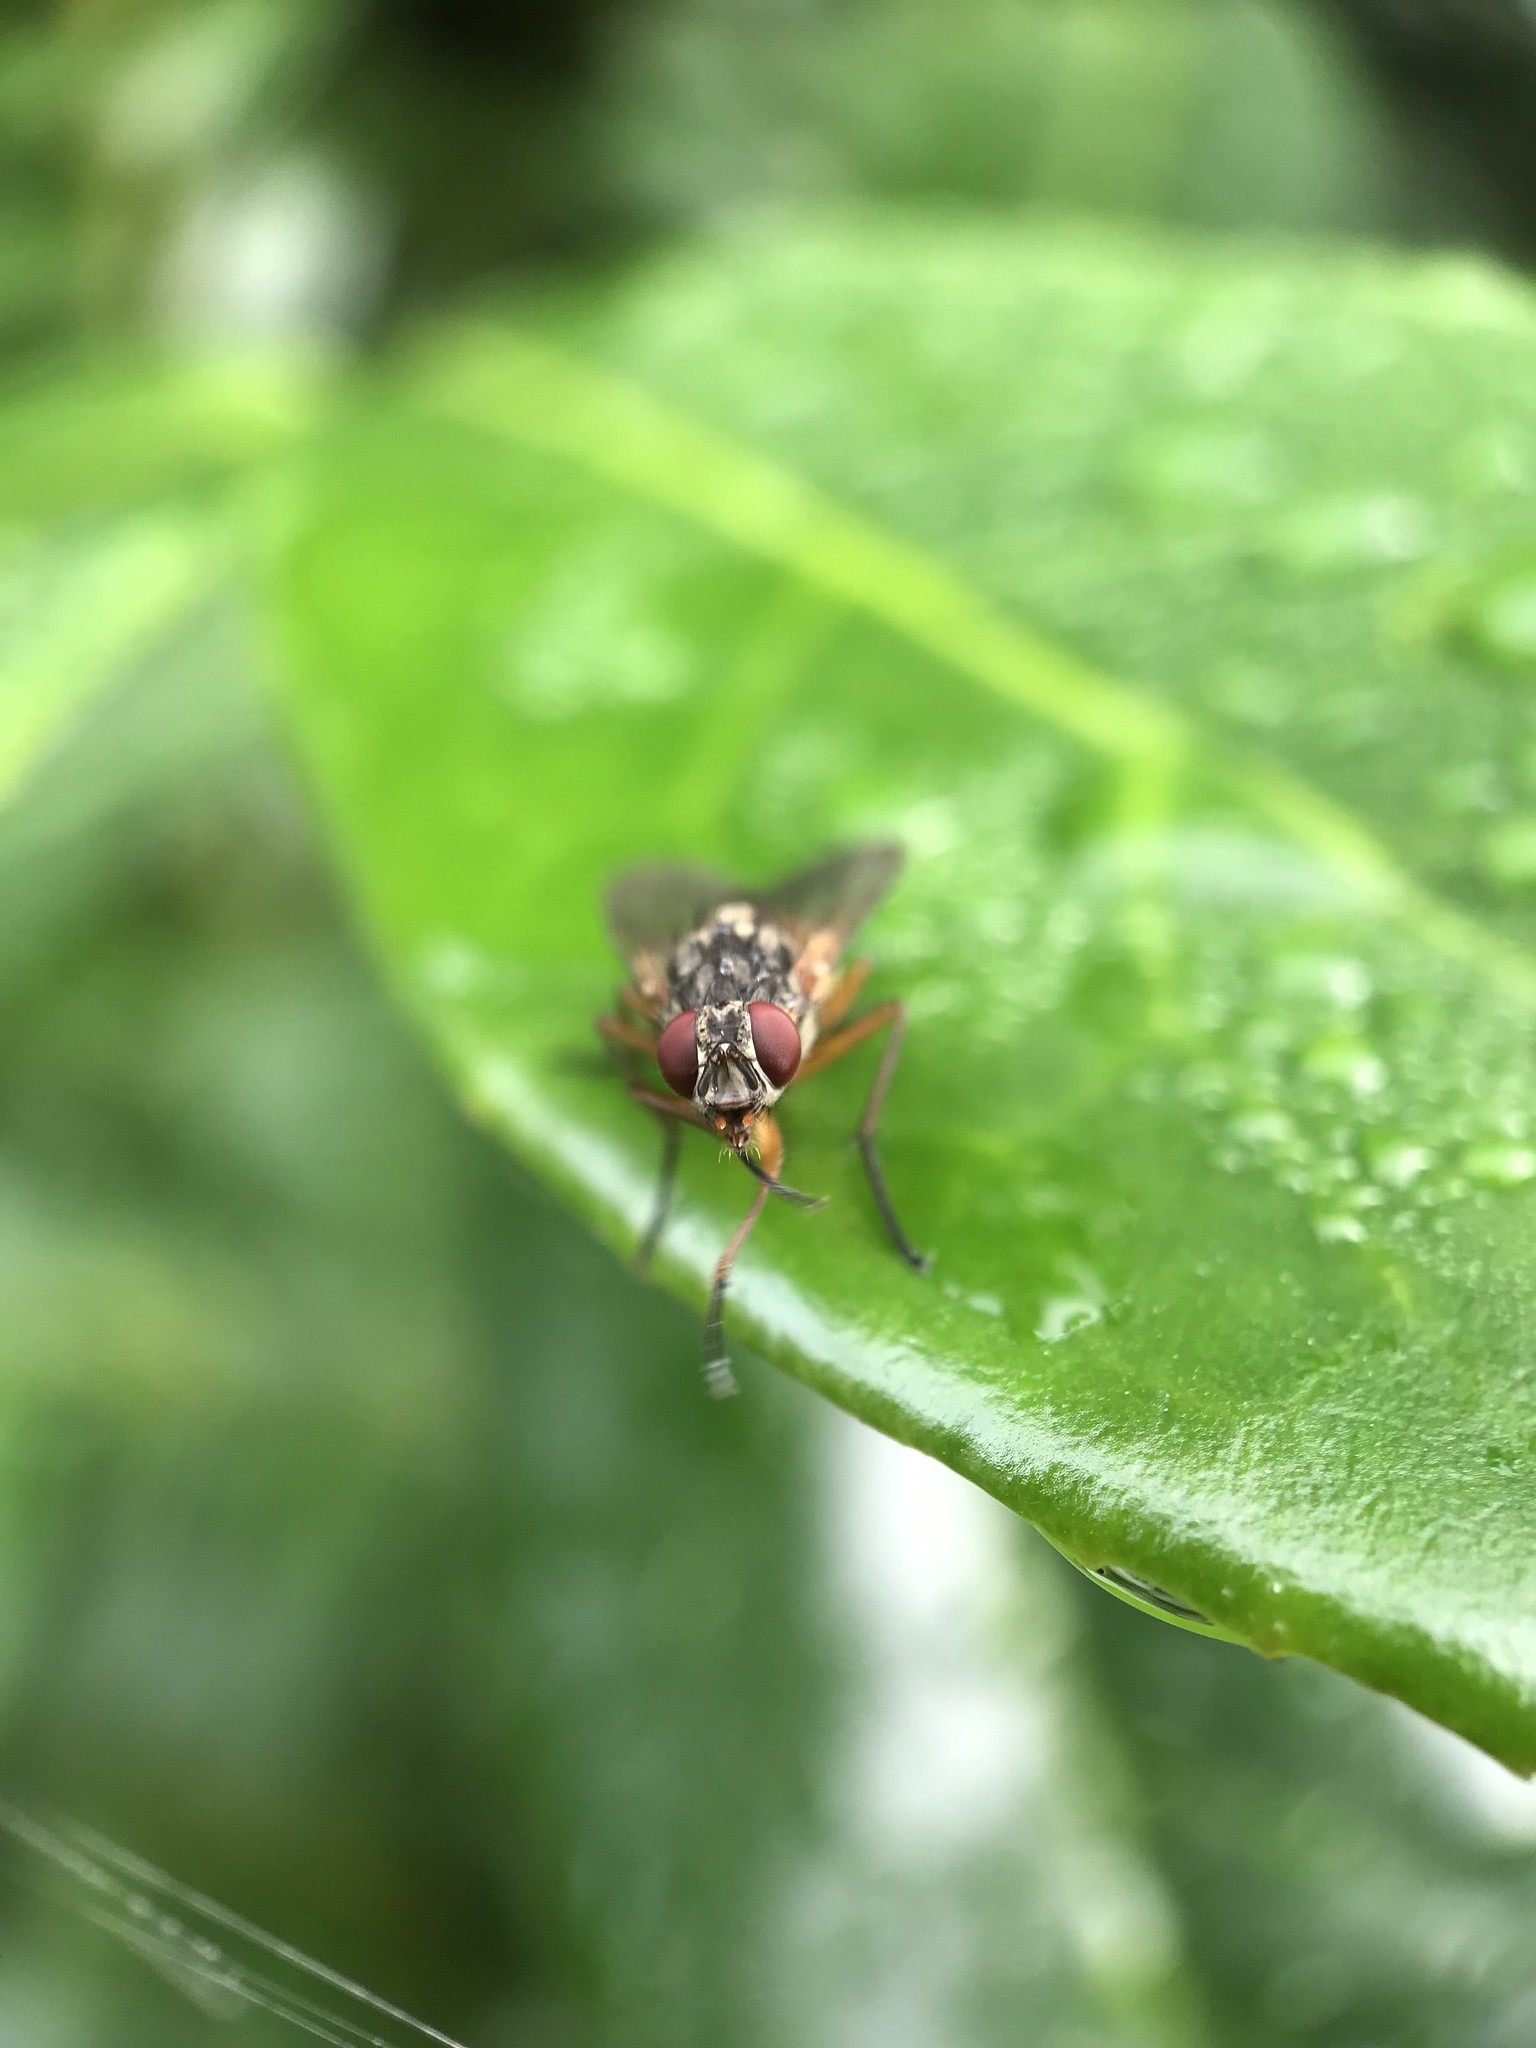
(1177, 612)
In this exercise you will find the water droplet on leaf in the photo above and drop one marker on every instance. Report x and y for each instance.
(1346, 533)
(1335, 1227)
(1399, 1165)
(1348, 1061)
(1063, 1315)
(1500, 1165)
(1264, 1127)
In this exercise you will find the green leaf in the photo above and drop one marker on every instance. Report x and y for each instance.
(1235, 116)
(114, 524)
(1167, 606)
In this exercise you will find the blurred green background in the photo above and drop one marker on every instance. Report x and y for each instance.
(368, 1556)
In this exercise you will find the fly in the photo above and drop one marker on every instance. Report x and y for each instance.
(735, 993)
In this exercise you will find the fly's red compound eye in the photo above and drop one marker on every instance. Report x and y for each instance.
(776, 1042)
(677, 1053)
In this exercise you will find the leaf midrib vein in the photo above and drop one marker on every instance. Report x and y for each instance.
(522, 386)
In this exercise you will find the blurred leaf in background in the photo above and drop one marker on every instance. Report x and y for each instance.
(1236, 115)
(40, 84)
(1462, 75)
(245, 165)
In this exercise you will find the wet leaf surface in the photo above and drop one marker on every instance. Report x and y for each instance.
(1149, 598)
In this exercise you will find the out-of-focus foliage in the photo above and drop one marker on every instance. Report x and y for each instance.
(116, 521)
(366, 1554)
(245, 165)
(1227, 115)
(1463, 73)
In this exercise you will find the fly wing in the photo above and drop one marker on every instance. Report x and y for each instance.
(837, 893)
(651, 908)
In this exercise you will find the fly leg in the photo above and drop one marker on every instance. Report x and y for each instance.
(768, 1144)
(623, 1031)
(840, 998)
(890, 1017)
(769, 1140)
(718, 1377)
(621, 1034)
(671, 1113)
(671, 1145)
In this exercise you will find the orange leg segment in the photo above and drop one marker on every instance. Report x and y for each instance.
(827, 1050)
(631, 999)
(615, 1031)
(717, 1372)
(770, 1145)
(844, 992)
(670, 1106)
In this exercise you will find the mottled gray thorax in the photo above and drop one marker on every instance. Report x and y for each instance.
(733, 959)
